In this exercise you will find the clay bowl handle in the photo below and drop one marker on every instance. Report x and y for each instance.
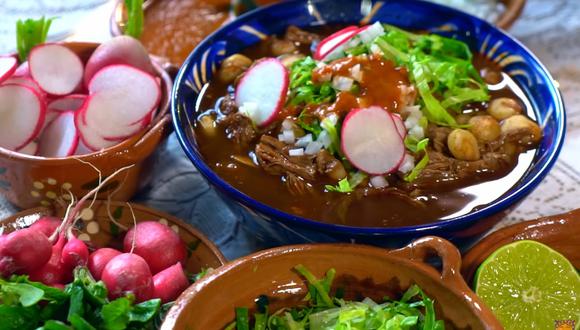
(423, 248)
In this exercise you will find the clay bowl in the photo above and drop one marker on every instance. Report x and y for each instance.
(29, 181)
(98, 230)
(361, 271)
(560, 232)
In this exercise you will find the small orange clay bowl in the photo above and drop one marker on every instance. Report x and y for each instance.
(560, 232)
(96, 228)
(361, 270)
(29, 181)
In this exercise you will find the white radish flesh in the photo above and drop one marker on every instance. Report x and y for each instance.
(71, 102)
(331, 47)
(22, 113)
(119, 50)
(90, 137)
(371, 142)
(29, 149)
(26, 81)
(265, 84)
(60, 138)
(121, 97)
(8, 65)
(56, 69)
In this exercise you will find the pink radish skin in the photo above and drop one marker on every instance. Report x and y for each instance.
(71, 102)
(46, 225)
(99, 259)
(371, 142)
(160, 246)
(58, 286)
(8, 65)
(23, 251)
(119, 50)
(26, 81)
(401, 129)
(56, 69)
(60, 138)
(128, 273)
(332, 42)
(90, 137)
(120, 98)
(22, 114)
(170, 283)
(265, 84)
(53, 271)
(23, 70)
(74, 253)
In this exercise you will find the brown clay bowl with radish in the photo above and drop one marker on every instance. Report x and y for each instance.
(73, 105)
(132, 249)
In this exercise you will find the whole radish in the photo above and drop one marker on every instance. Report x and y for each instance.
(23, 251)
(46, 225)
(74, 253)
(53, 272)
(128, 273)
(160, 246)
(99, 259)
(168, 284)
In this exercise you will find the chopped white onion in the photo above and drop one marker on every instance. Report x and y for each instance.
(417, 132)
(248, 108)
(332, 118)
(304, 141)
(407, 164)
(411, 122)
(372, 32)
(287, 124)
(376, 50)
(342, 83)
(356, 73)
(313, 148)
(287, 136)
(324, 139)
(410, 109)
(379, 181)
(296, 152)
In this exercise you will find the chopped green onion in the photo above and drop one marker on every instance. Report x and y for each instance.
(30, 33)
(135, 18)
(343, 186)
(242, 318)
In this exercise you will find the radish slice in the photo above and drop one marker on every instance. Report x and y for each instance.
(60, 137)
(23, 70)
(71, 102)
(26, 81)
(89, 136)
(330, 48)
(57, 69)
(29, 149)
(8, 65)
(400, 125)
(22, 113)
(371, 142)
(82, 149)
(262, 91)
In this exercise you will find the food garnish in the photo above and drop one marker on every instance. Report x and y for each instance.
(30, 33)
(325, 309)
(528, 285)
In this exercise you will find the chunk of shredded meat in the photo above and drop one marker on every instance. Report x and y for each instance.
(295, 34)
(274, 158)
(239, 128)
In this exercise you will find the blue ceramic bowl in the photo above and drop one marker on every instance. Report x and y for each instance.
(276, 227)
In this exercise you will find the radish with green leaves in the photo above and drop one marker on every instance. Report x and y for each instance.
(23, 251)
(128, 273)
(99, 259)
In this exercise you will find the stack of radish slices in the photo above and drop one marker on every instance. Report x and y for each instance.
(54, 105)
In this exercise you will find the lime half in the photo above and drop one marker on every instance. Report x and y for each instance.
(528, 285)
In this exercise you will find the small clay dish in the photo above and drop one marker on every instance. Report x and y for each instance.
(96, 228)
(29, 181)
(361, 270)
(560, 232)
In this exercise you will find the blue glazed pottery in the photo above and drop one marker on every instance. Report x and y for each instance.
(276, 227)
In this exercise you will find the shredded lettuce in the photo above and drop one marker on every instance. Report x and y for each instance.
(302, 88)
(343, 186)
(417, 146)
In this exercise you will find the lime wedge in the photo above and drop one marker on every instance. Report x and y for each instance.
(528, 285)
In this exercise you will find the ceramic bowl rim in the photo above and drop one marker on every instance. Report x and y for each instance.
(495, 207)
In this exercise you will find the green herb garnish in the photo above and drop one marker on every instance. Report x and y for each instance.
(302, 88)
(30, 33)
(135, 18)
(343, 186)
(417, 146)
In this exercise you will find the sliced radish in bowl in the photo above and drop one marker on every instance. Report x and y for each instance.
(26, 81)
(332, 46)
(60, 137)
(89, 136)
(261, 93)
(71, 102)
(400, 125)
(22, 113)
(29, 149)
(56, 69)
(23, 70)
(371, 142)
(8, 65)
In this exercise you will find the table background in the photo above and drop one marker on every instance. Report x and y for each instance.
(551, 29)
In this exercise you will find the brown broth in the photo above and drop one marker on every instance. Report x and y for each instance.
(223, 156)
